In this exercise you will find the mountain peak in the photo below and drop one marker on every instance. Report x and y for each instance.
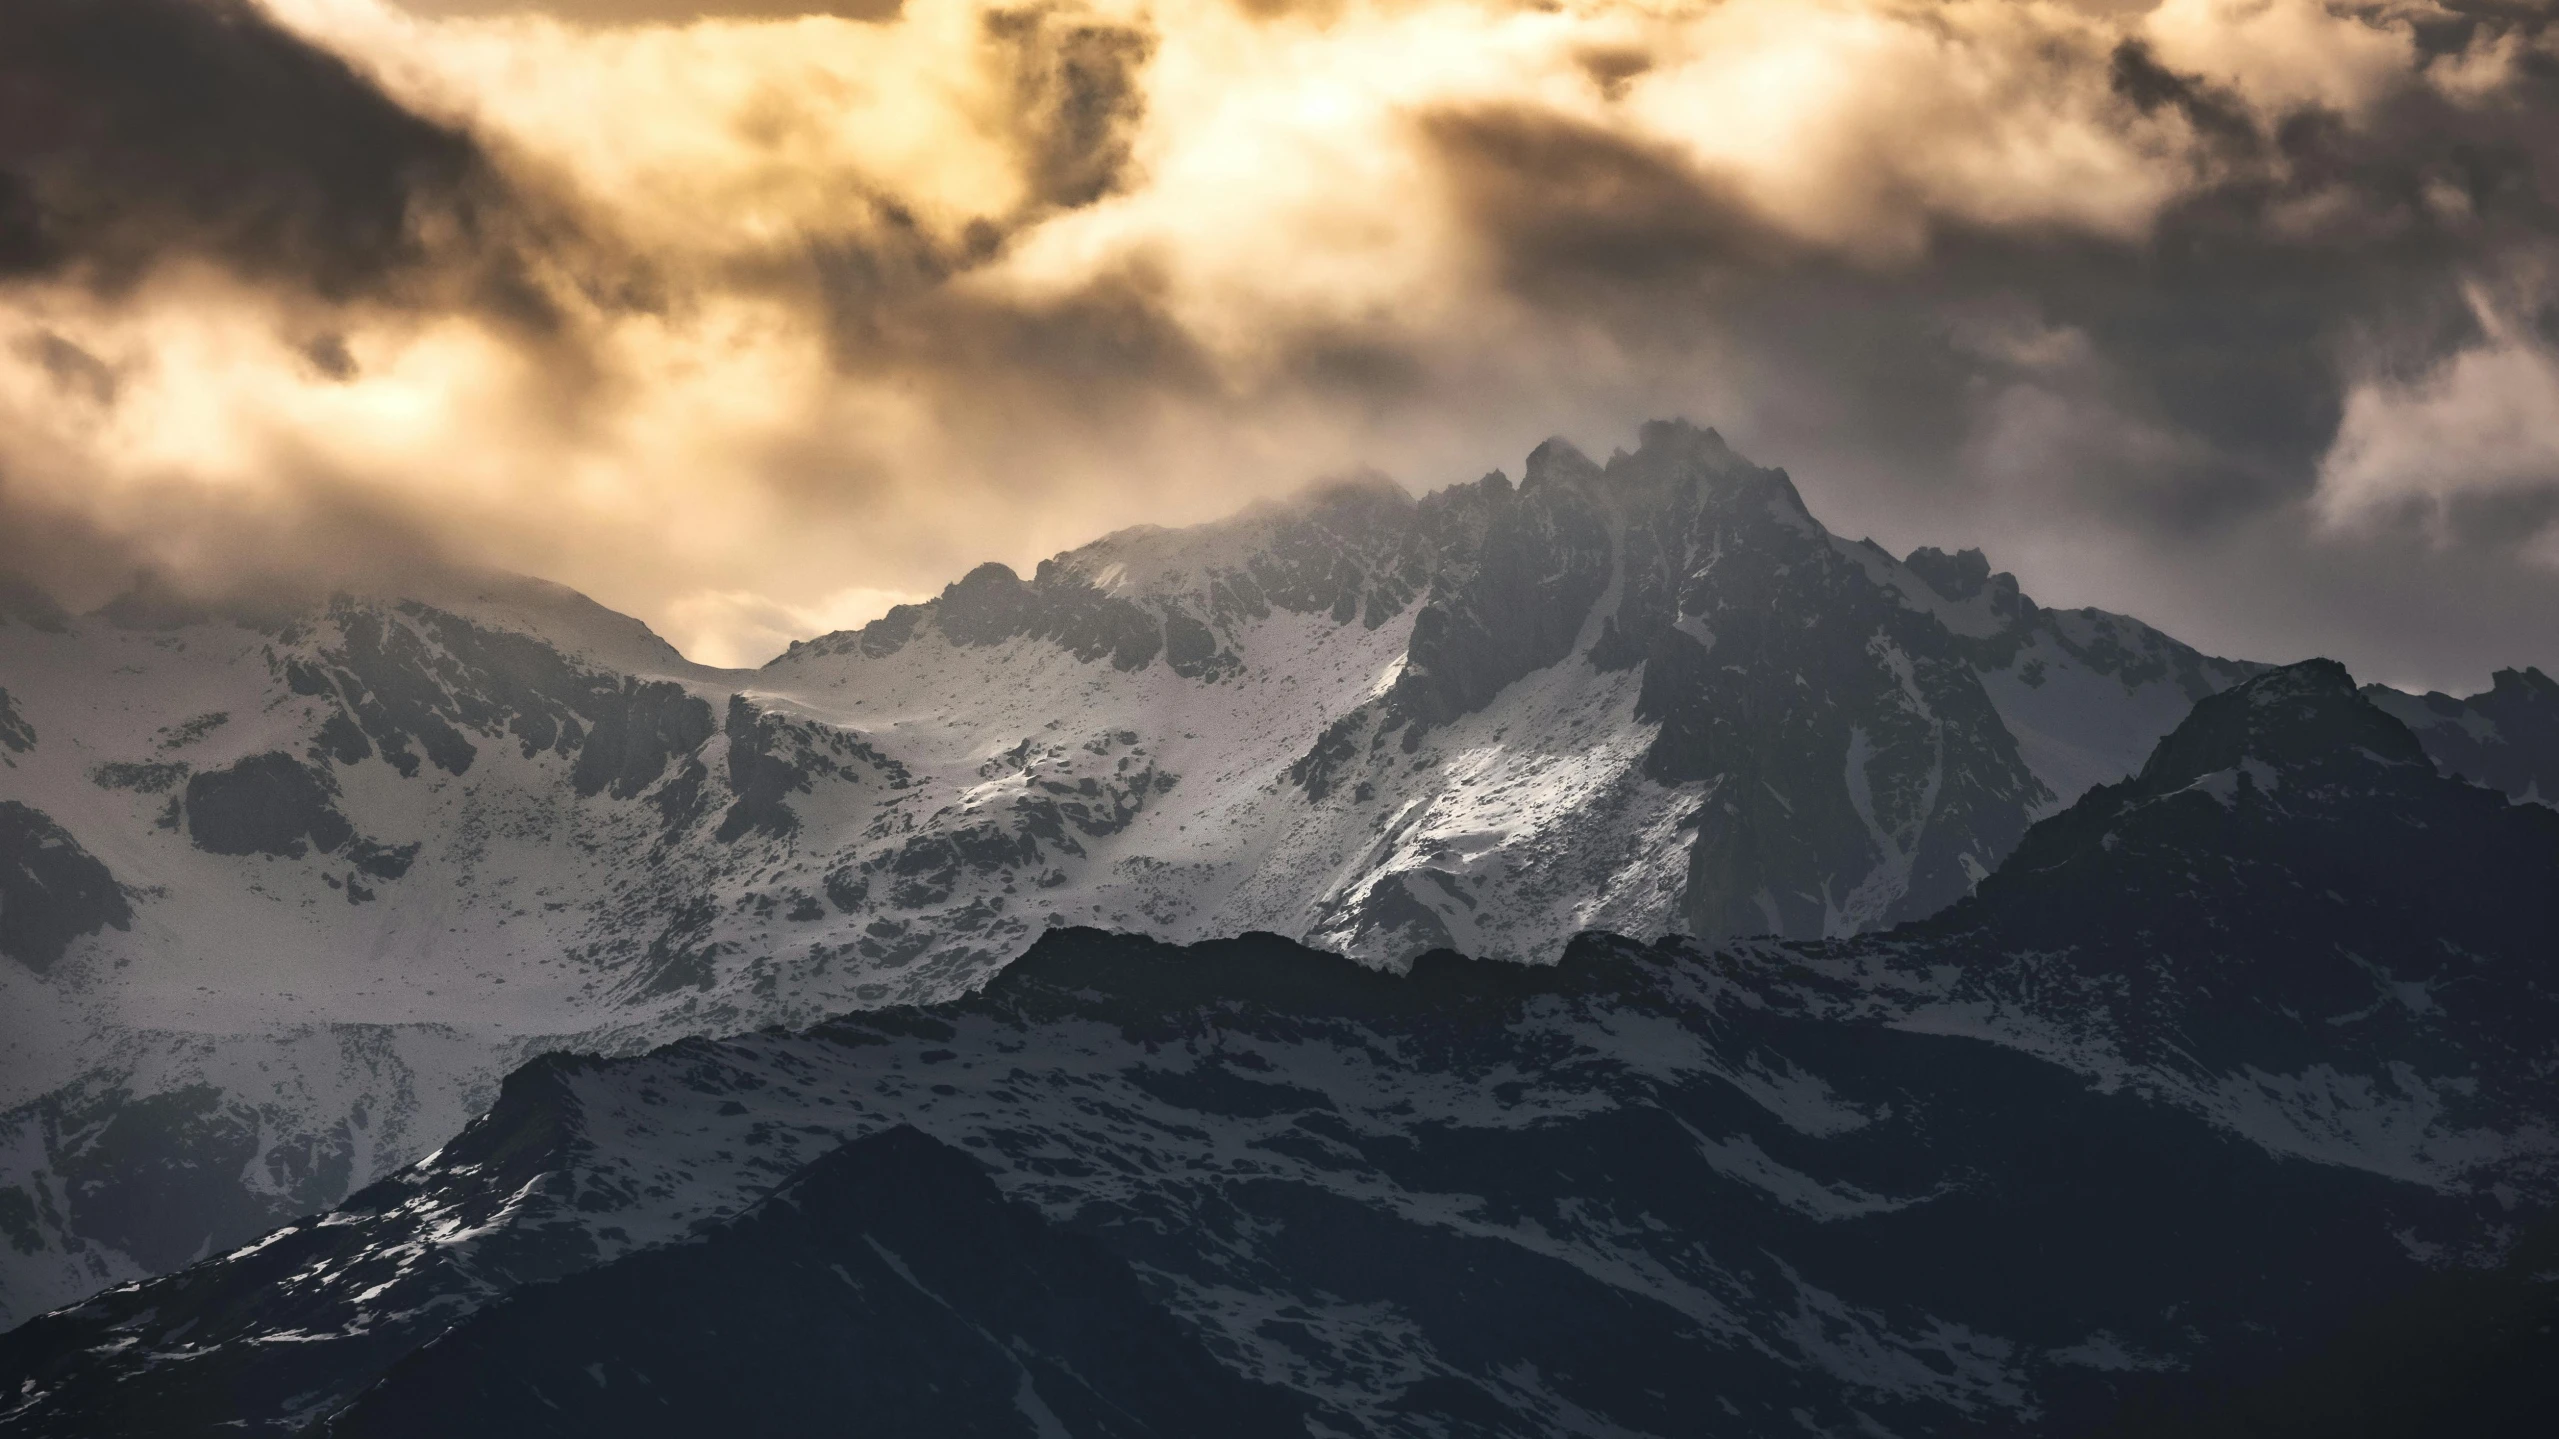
(1558, 461)
(1958, 576)
(2302, 715)
(1685, 446)
(2527, 686)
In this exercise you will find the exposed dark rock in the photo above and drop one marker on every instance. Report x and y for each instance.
(341, 739)
(761, 779)
(1334, 749)
(888, 1280)
(634, 734)
(889, 633)
(382, 861)
(1392, 916)
(1517, 603)
(142, 777)
(925, 869)
(18, 1216)
(1958, 576)
(1191, 649)
(15, 733)
(416, 676)
(848, 889)
(51, 890)
(1353, 549)
(685, 798)
(683, 956)
(986, 606)
(265, 804)
(188, 731)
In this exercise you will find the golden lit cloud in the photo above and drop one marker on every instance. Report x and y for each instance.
(803, 314)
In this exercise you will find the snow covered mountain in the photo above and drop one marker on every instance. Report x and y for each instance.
(2506, 737)
(283, 893)
(2229, 1050)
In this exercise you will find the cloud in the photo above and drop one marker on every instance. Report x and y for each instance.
(725, 316)
(2481, 424)
(135, 132)
(653, 12)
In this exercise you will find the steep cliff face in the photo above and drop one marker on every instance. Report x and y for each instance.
(377, 849)
(52, 891)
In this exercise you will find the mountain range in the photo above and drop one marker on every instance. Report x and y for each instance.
(286, 890)
(2234, 1050)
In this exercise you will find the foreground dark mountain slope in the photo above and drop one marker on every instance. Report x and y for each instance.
(888, 1280)
(288, 890)
(2380, 987)
(2001, 1172)
(2473, 1352)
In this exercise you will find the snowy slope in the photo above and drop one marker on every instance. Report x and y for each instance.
(344, 864)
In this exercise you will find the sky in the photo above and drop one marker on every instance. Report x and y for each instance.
(2241, 316)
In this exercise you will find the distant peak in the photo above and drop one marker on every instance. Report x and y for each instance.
(1558, 460)
(2311, 682)
(1685, 440)
(2306, 714)
(994, 574)
(1958, 576)
(2526, 683)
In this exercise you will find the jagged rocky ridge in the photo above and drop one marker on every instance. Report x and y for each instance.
(2506, 737)
(377, 851)
(2252, 1040)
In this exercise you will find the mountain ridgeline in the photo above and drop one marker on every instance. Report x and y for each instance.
(2002, 1172)
(285, 893)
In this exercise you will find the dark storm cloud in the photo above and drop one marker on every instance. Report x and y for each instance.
(133, 132)
(2221, 328)
(1076, 98)
(2180, 388)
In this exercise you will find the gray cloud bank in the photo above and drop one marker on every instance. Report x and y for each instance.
(2240, 316)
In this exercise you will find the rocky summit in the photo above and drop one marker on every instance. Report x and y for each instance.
(286, 892)
(1997, 1173)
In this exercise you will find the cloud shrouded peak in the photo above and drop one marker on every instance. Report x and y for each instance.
(2233, 314)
